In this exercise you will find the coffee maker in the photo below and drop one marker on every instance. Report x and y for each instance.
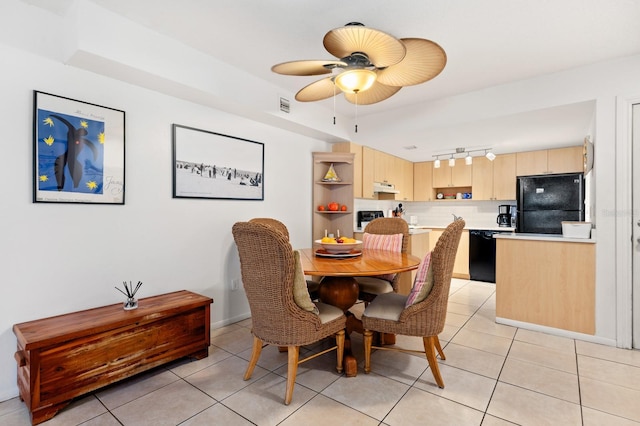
(505, 213)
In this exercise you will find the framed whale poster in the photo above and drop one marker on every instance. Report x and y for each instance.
(78, 151)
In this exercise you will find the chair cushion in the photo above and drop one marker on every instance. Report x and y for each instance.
(374, 285)
(328, 313)
(386, 306)
(422, 283)
(300, 291)
(389, 242)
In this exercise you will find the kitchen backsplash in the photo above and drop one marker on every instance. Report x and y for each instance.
(477, 214)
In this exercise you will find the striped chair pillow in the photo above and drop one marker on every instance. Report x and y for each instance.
(390, 242)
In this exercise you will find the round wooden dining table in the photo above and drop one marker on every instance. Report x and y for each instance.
(338, 286)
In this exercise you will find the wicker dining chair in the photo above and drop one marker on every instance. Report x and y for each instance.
(394, 313)
(313, 287)
(273, 281)
(370, 287)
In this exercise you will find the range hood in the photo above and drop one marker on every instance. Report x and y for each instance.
(385, 188)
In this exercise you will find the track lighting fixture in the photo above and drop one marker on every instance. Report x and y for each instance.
(468, 158)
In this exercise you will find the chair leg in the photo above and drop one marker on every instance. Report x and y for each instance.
(439, 348)
(340, 350)
(255, 355)
(368, 338)
(292, 369)
(430, 350)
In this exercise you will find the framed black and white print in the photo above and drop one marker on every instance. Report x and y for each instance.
(212, 165)
(78, 151)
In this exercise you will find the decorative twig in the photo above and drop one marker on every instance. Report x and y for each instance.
(130, 291)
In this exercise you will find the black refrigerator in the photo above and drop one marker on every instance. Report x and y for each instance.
(545, 201)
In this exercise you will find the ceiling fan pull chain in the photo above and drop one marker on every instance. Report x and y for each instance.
(334, 103)
(356, 112)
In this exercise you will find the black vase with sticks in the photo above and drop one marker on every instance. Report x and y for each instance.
(130, 293)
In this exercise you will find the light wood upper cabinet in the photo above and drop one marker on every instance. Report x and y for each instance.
(560, 160)
(383, 167)
(380, 167)
(405, 181)
(566, 160)
(482, 179)
(461, 174)
(442, 176)
(504, 177)
(494, 180)
(423, 181)
(456, 176)
(367, 172)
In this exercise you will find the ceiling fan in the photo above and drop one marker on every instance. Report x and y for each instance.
(371, 66)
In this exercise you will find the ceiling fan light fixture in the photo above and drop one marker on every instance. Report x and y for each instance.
(355, 80)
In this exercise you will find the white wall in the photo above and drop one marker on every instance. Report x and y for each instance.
(59, 258)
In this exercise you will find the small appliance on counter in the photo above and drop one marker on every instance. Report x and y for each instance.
(366, 216)
(506, 213)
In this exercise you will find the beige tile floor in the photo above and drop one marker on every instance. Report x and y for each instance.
(494, 375)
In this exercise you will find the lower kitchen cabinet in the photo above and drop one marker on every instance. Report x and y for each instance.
(461, 265)
(548, 283)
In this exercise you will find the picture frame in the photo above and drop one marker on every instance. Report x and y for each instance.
(216, 166)
(91, 169)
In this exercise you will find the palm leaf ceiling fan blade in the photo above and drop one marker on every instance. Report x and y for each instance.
(311, 67)
(317, 91)
(424, 60)
(376, 93)
(381, 48)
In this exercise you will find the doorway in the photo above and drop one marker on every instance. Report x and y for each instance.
(635, 292)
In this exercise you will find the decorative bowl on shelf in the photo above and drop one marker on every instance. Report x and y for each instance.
(336, 247)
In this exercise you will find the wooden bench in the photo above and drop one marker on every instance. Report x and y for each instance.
(62, 357)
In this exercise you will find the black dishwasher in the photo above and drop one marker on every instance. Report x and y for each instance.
(482, 255)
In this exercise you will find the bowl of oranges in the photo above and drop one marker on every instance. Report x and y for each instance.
(339, 245)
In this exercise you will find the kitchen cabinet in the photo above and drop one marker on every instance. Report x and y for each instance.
(368, 172)
(461, 264)
(494, 180)
(550, 161)
(357, 164)
(404, 180)
(423, 181)
(558, 294)
(380, 167)
(452, 177)
(340, 192)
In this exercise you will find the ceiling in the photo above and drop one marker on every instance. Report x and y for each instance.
(488, 43)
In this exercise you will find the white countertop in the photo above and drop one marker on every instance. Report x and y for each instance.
(419, 230)
(545, 237)
(482, 228)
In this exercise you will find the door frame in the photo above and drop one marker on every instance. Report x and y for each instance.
(624, 220)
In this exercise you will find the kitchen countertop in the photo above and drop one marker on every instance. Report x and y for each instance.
(412, 231)
(483, 228)
(546, 237)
